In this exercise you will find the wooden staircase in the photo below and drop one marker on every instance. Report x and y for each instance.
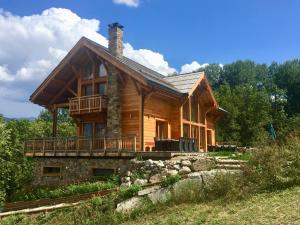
(229, 164)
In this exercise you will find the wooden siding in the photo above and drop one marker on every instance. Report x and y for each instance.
(159, 109)
(131, 106)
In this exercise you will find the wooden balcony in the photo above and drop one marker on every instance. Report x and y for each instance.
(87, 104)
(79, 146)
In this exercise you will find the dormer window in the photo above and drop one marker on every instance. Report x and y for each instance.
(102, 72)
(88, 71)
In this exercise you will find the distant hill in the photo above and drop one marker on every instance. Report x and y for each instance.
(21, 118)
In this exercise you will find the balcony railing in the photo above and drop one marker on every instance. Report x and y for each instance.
(79, 146)
(87, 104)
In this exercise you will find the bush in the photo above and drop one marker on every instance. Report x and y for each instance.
(170, 180)
(73, 189)
(128, 192)
(274, 167)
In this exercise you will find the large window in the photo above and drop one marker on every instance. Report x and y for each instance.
(101, 88)
(87, 90)
(100, 129)
(88, 71)
(88, 129)
(102, 72)
(161, 129)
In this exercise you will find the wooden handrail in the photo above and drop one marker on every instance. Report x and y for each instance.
(91, 103)
(77, 145)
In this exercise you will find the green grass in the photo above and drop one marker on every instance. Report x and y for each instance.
(265, 209)
(281, 207)
(231, 155)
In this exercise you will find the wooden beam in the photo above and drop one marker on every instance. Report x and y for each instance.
(62, 90)
(62, 105)
(72, 91)
(53, 112)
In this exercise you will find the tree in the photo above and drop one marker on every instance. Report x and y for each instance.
(213, 73)
(249, 114)
(287, 77)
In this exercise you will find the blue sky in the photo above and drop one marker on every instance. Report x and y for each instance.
(211, 31)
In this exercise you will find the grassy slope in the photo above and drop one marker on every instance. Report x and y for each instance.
(265, 209)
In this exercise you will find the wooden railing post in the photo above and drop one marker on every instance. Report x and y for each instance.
(90, 145)
(33, 148)
(54, 146)
(134, 143)
(66, 145)
(77, 146)
(43, 147)
(104, 145)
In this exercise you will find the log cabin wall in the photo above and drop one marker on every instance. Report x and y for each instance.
(131, 110)
(161, 119)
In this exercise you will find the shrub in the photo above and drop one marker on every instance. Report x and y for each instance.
(128, 192)
(170, 180)
(274, 167)
(73, 189)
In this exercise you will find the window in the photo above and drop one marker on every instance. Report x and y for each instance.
(161, 129)
(87, 90)
(88, 71)
(186, 130)
(87, 129)
(51, 170)
(102, 172)
(100, 129)
(102, 72)
(101, 89)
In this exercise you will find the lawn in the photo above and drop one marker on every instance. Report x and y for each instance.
(280, 207)
(271, 208)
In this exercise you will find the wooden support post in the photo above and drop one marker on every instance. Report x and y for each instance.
(104, 145)
(90, 145)
(134, 143)
(54, 121)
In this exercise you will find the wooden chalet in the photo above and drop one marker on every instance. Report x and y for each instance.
(119, 104)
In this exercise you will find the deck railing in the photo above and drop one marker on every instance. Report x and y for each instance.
(78, 145)
(87, 104)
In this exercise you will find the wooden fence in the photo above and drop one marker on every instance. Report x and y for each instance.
(78, 145)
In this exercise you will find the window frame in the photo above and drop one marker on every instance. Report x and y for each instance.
(49, 174)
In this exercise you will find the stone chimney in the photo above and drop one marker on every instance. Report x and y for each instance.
(115, 47)
(115, 44)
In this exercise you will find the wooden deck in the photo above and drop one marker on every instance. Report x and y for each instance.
(124, 147)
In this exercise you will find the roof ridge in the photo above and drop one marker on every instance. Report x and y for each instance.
(181, 74)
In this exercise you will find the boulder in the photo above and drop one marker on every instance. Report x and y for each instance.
(159, 163)
(160, 196)
(149, 162)
(203, 165)
(186, 163)
(195, 175)
(140, 182)
(171, 172)
(125, 184)
(176, 167)
(129, 204)
(149, 190)
(156, 178)
(183, 187)
(184, 170)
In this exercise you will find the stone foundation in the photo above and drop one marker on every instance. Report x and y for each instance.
(74, 169)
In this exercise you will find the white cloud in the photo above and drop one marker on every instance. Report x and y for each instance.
(130, 3)
(31, 46)
(187, 68)
(153, 60)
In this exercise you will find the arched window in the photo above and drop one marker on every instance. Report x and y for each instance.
(102, 70)
(88, 71)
